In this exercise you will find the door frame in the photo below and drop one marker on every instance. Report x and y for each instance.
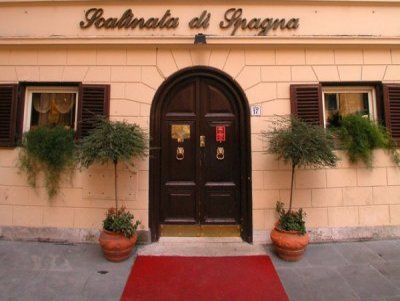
(246, 222)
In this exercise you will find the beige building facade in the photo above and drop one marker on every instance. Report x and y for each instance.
(338, 46)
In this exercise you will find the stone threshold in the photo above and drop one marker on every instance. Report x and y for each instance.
(171, 239)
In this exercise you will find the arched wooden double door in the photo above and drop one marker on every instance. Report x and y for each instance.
(200, 155)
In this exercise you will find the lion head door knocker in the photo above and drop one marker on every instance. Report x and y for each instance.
(180, 153)
(180, 132)
(220, 153)
(220, 137)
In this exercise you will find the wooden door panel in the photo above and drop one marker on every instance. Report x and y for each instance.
(220, 204)
(179, 205)
(182, 100)
(216, 100)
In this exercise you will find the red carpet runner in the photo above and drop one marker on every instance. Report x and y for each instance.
(162, 278)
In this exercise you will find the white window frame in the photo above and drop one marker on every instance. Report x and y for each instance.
(341, 89)
(46, 89)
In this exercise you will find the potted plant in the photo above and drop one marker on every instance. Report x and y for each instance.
(116, 142)
(50, 150)
(301, 145)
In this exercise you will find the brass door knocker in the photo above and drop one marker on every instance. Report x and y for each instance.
(180, 153)
(220, 153)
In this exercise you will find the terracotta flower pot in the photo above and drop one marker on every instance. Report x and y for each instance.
(289, 245)
(116, 247)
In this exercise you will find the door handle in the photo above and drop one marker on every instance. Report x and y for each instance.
(202, 141)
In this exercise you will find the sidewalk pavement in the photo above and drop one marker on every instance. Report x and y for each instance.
(367, 271)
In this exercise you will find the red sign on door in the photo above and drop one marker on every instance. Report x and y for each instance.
(220, 133)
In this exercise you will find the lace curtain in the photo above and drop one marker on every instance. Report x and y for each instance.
(53, 109)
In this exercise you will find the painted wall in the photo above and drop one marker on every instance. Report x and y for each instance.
(345, 196)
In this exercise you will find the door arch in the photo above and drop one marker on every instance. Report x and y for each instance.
(200, 77)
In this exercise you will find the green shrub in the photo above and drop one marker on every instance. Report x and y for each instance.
(49, 150)
(300, 145)
(359, 136)
(112, 141)
(120, 221)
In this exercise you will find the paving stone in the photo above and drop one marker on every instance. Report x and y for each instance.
(57, 286)
(294, 285)
(10, 281)
(90, 257)
(357, 253)
(39, 285)
(47, 271)
(390, 270)
(324, 255)
(324, 283)
(389, 250)
(14, 285)
(34, 256)
(367, 282)
(105, 287)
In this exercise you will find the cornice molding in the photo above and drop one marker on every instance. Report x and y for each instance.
(188, 2)
(211, 40)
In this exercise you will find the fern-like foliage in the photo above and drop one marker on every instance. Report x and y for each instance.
(359, 136)
(49, 150)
